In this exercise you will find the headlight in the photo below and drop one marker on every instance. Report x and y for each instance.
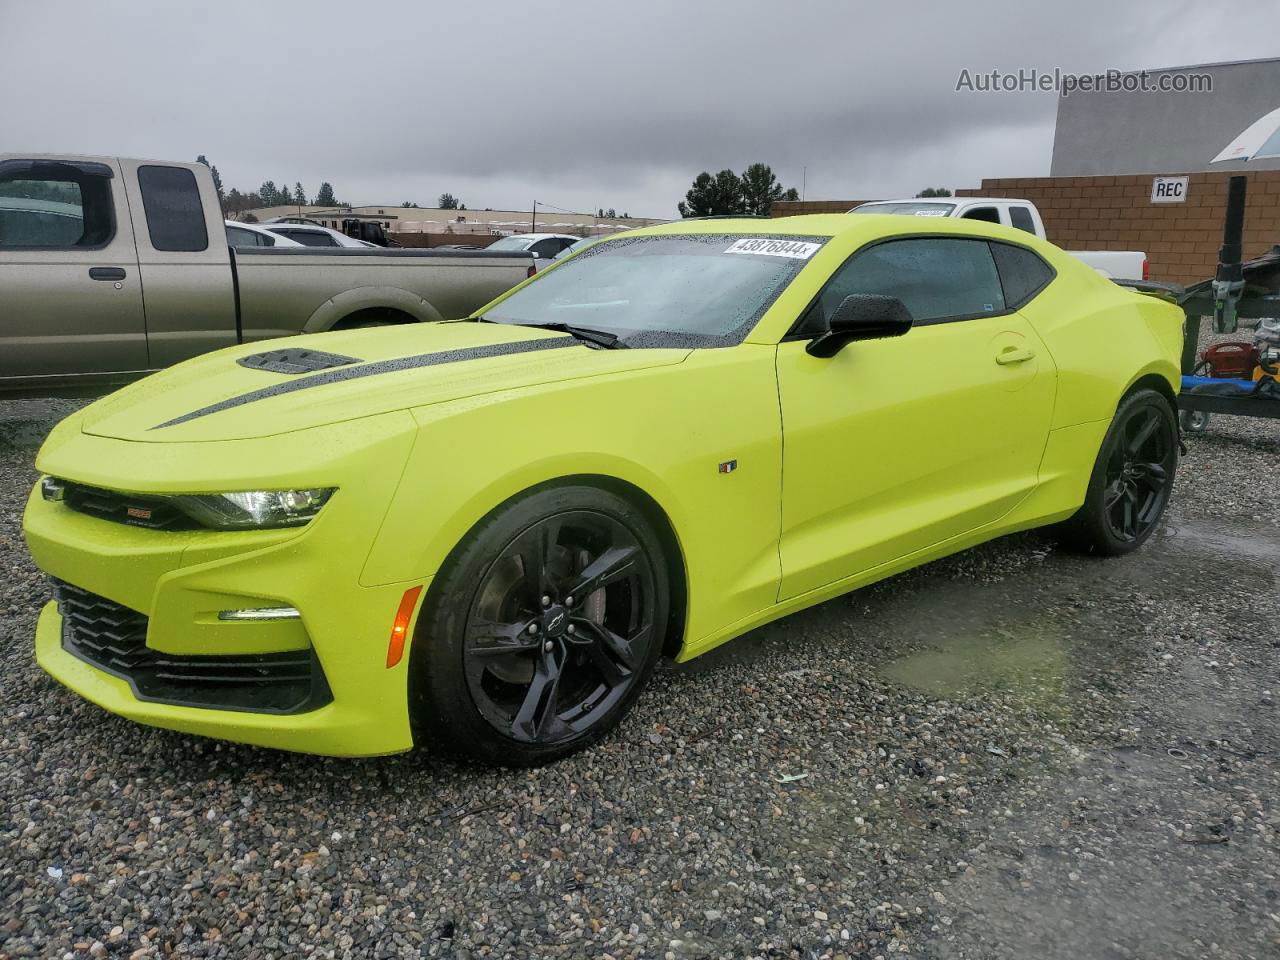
(254, 509)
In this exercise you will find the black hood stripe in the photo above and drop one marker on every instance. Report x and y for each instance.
(342, 374)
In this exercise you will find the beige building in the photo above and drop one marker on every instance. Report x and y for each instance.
(463, 223)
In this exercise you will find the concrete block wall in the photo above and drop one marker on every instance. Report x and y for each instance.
(1181, 240)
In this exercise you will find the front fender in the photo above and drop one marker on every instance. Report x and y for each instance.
(664, 431)
(329, 313)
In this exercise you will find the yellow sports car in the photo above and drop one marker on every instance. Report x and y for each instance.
(483, 534)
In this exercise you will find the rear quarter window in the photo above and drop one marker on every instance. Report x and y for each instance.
(1023, 274)
(171, 202)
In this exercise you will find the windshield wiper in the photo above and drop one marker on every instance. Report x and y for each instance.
(601, 338)
(597, 338)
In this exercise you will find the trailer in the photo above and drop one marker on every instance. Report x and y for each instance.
(1236, 378)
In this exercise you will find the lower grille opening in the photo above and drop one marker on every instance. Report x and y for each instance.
(113, 638)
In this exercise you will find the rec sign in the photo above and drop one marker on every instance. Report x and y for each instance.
(1169, 189)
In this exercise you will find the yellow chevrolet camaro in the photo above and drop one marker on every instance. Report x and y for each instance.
(483, 534)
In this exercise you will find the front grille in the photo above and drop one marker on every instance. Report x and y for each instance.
(136, 510)
(113, 638)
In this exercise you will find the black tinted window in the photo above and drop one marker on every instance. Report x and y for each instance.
(55, 213)
(985, 214)
(938, 278)
(309, 238)
(171, 200)
(1020, 217)
(1022, 273)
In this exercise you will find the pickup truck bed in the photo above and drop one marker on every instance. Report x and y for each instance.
(113, 268)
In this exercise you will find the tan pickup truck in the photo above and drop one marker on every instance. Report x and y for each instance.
(112, 268)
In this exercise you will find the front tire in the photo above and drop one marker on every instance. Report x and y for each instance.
(541, 629)
(1131, 480)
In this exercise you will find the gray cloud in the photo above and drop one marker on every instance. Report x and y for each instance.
(580, 104)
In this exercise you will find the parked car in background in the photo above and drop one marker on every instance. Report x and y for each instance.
(1019, 214)
(309, 235)
(241, 235)
(368, 231)
(112, 268)
(577, 246)
(484, 535)
(543, 246)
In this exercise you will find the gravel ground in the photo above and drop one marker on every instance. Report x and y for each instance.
(1014, 753)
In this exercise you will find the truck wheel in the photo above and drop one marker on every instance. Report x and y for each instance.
(541, 630)
(1194, 421)
(1131, 480)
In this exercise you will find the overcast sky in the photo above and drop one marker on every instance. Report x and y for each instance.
(602, 103)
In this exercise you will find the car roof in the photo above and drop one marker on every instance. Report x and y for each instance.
(870, 203)
(867, 227)
(541, 236)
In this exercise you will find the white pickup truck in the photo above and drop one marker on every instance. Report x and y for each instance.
(1019, 214)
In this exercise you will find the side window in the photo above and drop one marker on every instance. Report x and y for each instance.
(1022, 273)
(985, 214)
(938, 278)
(1020, 217)
(171, 201)
(546, 248)
(309, 238)
(236, 237)
(55, 213)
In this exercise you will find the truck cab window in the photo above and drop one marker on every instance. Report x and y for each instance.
(985, 214)
(55, 214)
(175, 216)
(1020, 217)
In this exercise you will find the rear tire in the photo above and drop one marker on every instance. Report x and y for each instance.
(509, 667)
(1131, 480)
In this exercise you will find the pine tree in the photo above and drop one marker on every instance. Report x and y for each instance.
(325, 197)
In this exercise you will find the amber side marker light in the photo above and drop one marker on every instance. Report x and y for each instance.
(400, 628)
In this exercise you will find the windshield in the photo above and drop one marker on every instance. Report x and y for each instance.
(510, 243)
(691, 290)
(911, 208)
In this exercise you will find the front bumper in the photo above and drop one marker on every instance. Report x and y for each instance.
(152, 647)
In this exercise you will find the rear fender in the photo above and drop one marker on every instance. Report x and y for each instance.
(329, 313)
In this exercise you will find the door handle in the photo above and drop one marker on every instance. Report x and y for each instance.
(1014, 355)
(106, 273)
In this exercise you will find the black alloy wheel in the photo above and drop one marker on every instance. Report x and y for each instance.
(1139, 475)
(1132, 478)
(542, 630)
(559, 627)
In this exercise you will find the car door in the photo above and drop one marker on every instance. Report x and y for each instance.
(894, 445)
(70, 294)
(183, 258)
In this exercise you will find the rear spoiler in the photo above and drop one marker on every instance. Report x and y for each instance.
(1169, 292)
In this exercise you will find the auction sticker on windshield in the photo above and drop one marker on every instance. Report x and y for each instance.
(795, 249)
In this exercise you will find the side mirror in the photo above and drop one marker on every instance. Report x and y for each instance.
(861, 316)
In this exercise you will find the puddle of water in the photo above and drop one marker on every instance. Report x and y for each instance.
(1257, 544)
(997, 660)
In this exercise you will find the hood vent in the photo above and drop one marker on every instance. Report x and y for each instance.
(295, 360)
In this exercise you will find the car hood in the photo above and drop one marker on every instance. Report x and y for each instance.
(279, 386)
